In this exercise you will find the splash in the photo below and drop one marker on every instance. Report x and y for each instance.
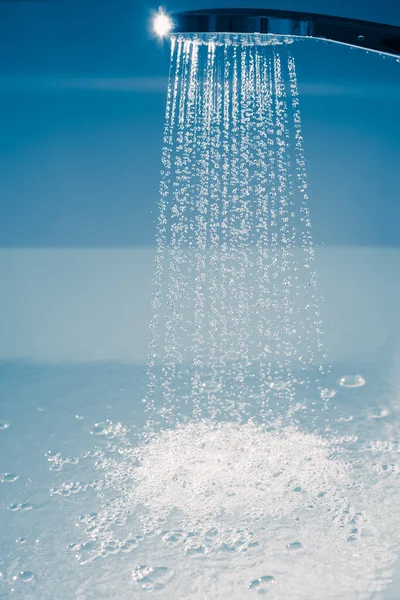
(243, 481)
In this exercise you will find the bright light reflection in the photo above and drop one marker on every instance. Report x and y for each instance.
(162, 24)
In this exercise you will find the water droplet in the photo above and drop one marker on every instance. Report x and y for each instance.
(352, 381)
(361, 38)
(4, 424)
(26, 576)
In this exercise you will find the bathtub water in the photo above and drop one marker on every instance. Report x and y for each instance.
(216, 510)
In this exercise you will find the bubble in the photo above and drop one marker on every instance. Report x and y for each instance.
(172, 538)
(152, 578)
(14, 507)
(25, 506)
(279, 385)
(78, 417)
(108, 429)
(352, 381)
(379, 413)
(21, 540)
(352, 538)
(100, 428)
(9, 477)
(262, 584)
(195, 550)
(210, 388)
(328, 393)
(129, 545)
(344, 419)
(26, 576)
(361, 38)
(4, 424)
(294, 546)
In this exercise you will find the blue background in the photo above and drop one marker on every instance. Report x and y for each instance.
(82, 96)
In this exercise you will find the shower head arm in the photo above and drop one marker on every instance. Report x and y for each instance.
(363, 34)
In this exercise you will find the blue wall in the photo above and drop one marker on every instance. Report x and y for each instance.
(82, 94)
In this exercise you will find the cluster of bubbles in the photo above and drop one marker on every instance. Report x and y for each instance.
(297, 513)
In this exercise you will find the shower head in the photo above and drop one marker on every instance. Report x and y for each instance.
(363, 34)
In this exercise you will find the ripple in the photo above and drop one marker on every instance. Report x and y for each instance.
(352, 381)
(9, 477)
(25, 506)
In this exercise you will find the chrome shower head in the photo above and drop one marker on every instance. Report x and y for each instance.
(376, 37)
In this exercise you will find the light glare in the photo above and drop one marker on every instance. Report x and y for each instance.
(162, 24)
